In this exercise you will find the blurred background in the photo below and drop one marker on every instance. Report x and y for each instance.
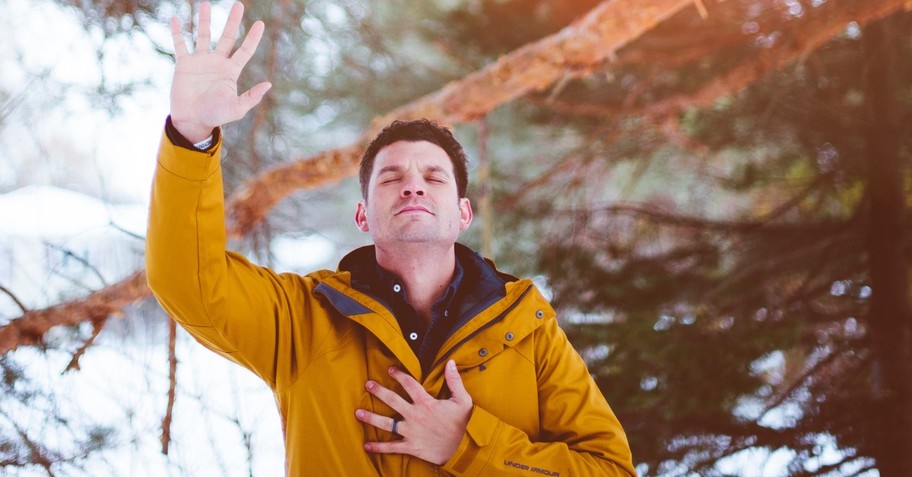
(713, 193)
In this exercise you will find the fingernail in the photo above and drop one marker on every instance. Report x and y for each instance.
(359, 413)
(451, 364)
(392, 369)
(370, 385)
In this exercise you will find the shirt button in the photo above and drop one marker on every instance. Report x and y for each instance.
(397, 288)
(413, 336)
(539, 314)
(446, 312)
(509, 336)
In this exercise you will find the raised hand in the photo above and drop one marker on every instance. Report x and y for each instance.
(430, 428)
(204, 88)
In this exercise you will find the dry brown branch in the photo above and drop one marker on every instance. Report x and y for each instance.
(803, 38)
(172, 386)
(29, 328)
(15, 299)
(97, 326)
(578, 48)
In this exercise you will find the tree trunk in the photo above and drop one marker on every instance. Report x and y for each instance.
(891, 332)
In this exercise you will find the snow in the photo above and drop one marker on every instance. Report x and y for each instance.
(39, 212)
(57, 244)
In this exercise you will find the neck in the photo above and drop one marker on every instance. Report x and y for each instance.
(425, 271)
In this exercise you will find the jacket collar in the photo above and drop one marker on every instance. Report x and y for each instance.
(486, 296)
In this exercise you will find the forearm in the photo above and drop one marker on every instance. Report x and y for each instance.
(491, 447)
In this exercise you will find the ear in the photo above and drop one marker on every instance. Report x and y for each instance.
(465, 213)
(361, 216)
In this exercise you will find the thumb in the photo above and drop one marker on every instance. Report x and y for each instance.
(454, 382)
(252, 97)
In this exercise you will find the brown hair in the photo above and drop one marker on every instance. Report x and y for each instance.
(415, 131)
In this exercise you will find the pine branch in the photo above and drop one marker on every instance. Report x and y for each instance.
(801, 40)
(578, 48)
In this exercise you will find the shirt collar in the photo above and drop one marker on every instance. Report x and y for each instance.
(385, 283)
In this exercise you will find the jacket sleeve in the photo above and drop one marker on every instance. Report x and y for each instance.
(580, 435)
(239, 310)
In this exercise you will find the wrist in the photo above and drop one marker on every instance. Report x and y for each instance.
(193, 132)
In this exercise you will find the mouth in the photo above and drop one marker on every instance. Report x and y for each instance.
(410, 209)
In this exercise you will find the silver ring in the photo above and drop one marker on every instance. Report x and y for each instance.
(395, 427)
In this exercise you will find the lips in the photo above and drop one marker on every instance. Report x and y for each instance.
(413, 208)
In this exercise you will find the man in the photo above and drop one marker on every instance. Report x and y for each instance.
(416, 357)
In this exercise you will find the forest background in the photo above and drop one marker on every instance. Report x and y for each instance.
(714, 194)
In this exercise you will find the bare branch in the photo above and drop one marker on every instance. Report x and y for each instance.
(30, 328)
(172, 386)
(67, 253)
(97, 326)
(15, 299)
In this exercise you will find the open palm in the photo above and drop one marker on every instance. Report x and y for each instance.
(204, 88)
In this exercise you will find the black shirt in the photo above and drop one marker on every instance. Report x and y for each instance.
(425, 340)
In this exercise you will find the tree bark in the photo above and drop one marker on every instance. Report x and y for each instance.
(890, 328)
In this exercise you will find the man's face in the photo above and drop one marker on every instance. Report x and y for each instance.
(412, 197)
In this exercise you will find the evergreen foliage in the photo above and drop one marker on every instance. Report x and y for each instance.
(710, 260)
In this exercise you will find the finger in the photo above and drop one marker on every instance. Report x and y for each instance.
(388, 447)
(249, 46)
(378, 421)
(414, 389)
(454, 382)
(391, 399)
(252, 97)
(177, 36)
(232, 26)
(203, 35)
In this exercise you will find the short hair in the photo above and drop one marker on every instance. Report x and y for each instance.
(416, 131)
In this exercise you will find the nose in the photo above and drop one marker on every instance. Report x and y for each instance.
(413, 186)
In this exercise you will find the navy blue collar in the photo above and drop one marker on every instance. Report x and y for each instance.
(475, 285)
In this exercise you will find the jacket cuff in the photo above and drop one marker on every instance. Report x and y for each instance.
(188, 163)
(179, 140)
(476, 447)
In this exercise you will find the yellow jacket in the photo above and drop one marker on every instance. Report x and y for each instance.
(315, 341)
